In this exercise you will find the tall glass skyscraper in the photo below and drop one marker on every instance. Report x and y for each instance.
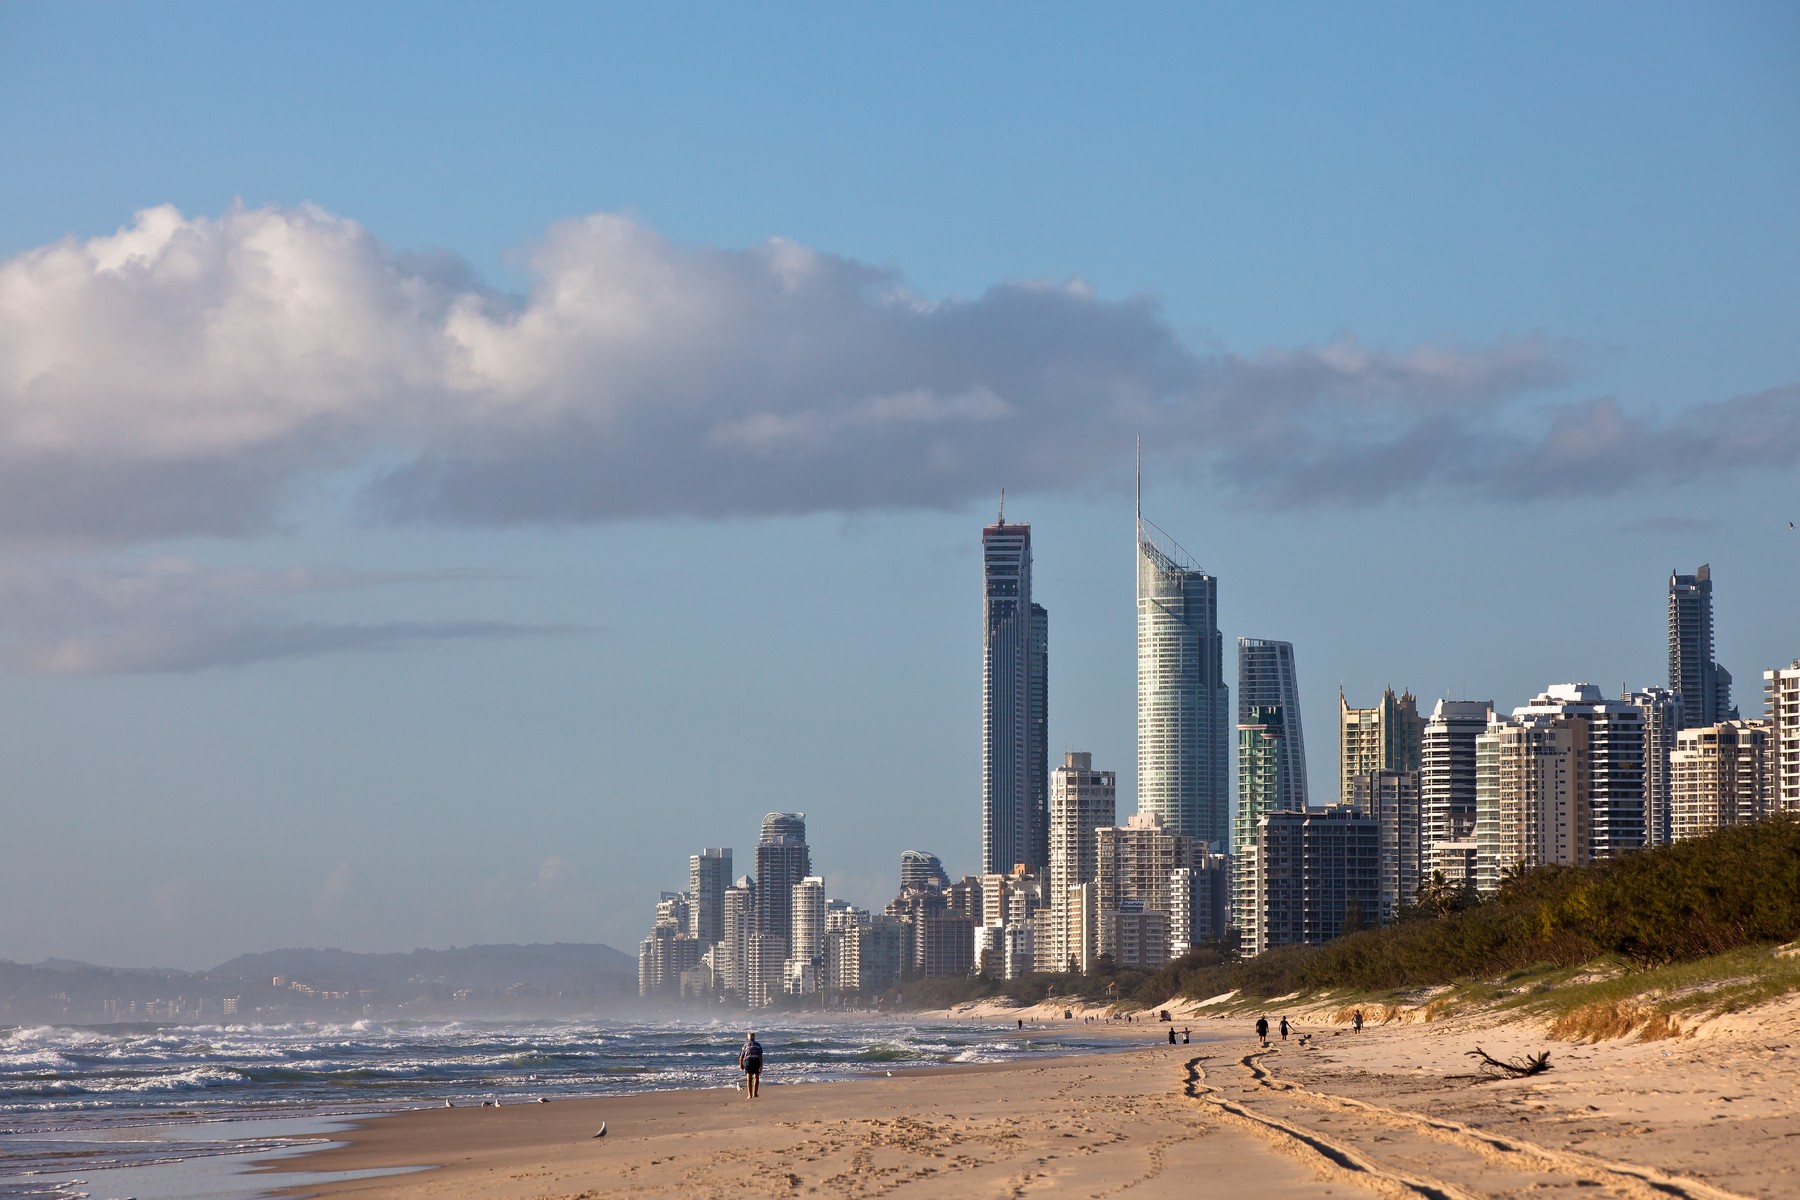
(1266, 679)
(1184, 709)
(1015, 775)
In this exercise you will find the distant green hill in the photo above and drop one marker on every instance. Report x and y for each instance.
(1736, 888)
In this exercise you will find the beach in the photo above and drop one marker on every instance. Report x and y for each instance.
(1395, 1111)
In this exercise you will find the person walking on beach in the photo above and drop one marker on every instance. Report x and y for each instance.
(1356, 1021)
(1184, 1035)
(750, 1063)
(1262, 1030)
(1171, 1035)
(1284, 1029)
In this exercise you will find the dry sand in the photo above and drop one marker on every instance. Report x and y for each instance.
(1389, 1112)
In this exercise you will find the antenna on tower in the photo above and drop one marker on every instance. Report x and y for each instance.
(1138, 486)
(1003, 506)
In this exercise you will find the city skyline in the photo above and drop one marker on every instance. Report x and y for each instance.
(433, 513)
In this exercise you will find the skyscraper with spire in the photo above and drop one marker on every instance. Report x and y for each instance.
(1183, 711)
(1015, 778)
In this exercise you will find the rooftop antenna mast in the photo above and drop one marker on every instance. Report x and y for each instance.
(1138, 488)
(1003, 506)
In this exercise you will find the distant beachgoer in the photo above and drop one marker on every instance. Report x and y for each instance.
(1184, 1035)
(1262, 1029)
(1284, 1029)
(1171, 1035)
(750, 1062)
(1021, 1022)
(1356, 1020)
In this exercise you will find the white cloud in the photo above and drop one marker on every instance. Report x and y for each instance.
(186, 375)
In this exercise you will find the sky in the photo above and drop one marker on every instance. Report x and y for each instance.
(457, 461)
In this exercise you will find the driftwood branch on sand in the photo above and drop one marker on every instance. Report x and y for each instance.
(1531, 1064)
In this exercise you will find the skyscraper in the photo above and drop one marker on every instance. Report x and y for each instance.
(1388, 737)
(1720, 777)
(1082, 801)
(1447, 786)
(1014, 704)
(1184, 708)
(782, 860)
(1612, 773)
(920, 869)
(1662, 721)
(1260, 792)
(1560, 781)
(1781, 709)
(709, 875)
(1704, 686)
(1266, 678)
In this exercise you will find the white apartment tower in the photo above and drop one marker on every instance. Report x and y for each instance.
(709, 875)
(1538, 789)
(1662, 712)
(1781, 709)
(1613, 770)
(1082, 801)
(1720, 777)
(1447, 786)
(1267, 679)
(1183, 706)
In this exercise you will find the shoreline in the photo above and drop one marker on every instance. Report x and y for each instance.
(1711, 1115)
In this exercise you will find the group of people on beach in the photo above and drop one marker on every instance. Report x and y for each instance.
(1262, 1028)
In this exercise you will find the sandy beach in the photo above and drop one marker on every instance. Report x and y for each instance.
(1393, 1111)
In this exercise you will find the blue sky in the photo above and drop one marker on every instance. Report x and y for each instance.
(519, 448)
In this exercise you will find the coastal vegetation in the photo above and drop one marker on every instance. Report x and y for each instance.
(1639, 944)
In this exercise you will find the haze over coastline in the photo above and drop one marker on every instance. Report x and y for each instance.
(429, 512)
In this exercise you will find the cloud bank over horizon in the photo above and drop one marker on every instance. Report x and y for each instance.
(189, 376)
(173, 614)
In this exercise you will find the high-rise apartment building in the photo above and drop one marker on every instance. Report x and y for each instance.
(1534, 769)
(1613, 767)
(782, 859)
(739, 923)
(1135, 867)
(709, 875)
(1781, 709)
(1392, 798)
(1721, 777)
(806, 946)
(1314, 872)
(1267, 679)
(1082, 801)
(1183, 709)
(1261, 791)
(1014, 704)
(920, 870)
(1388, 737)
(1447, 787)
(1704, 686)
(1661, 709)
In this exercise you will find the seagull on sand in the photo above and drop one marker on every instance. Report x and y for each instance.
(602, 1132)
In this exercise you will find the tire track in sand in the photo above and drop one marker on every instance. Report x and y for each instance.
(1635, 1180)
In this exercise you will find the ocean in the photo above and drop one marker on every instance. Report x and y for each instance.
(175, 1112)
